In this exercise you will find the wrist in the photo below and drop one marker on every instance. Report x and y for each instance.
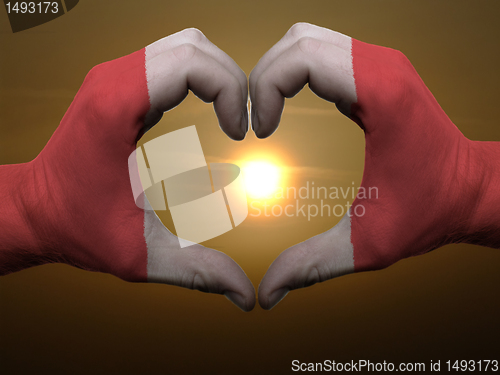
(20, 246)
(484, 221)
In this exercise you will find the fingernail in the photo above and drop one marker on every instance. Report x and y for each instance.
(276, 297)
(237, 299)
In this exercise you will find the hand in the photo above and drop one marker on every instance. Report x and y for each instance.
(74, 202)
(434, 186)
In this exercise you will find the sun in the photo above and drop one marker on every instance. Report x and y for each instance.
(261, 178)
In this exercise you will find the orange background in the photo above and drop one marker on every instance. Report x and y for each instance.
(443, 305)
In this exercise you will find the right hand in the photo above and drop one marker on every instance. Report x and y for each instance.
(434, 186)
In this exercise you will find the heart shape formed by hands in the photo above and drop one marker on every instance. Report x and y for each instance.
(435, 186)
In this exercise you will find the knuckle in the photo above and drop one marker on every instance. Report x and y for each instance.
(397, 60)
(198, 276)
(399, 75)
(308, 45)
(94, 74)
(95, 94)
(299, 29)
(197, 282)
(193, 34)
(401, 59)
(317, 274)
(185, 52)
(103, 93)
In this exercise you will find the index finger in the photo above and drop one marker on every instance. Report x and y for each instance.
(198, 39)
(171, 74)
(296, 32)
(325, 67)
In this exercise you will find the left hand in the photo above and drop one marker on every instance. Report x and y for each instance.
(76, 195)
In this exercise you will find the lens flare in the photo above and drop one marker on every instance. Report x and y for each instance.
(261, 178)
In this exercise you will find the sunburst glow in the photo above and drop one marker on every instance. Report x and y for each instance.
(261, 178)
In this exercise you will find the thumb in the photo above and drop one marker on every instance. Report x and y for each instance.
(318, 259)
(195, 266)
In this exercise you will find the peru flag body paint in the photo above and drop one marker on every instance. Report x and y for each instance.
(435, 186)
(72, 203)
